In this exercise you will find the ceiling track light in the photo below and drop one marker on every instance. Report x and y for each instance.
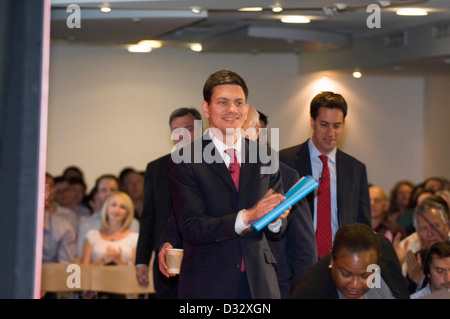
(196, 10)
(276, 8)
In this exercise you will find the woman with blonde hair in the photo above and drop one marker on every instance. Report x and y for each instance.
(114, 243)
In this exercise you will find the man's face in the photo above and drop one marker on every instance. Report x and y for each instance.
(430, 227)
(64, 194)
(106, 187)
(228, 108)
(439, 273)
(133, 185)
(349, 271)
(328, 127)
(178, 125)
(378, 202)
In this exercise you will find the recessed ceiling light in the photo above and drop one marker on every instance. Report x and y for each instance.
(150, 43)
(197, 47)
(251, 9)
(295, 19)
(138, 48)
(412, 12)
(357, 74)
(276, 8)
(105, 9)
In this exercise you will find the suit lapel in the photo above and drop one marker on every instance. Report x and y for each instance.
(340, 176)
(305, 169)
(217, 165)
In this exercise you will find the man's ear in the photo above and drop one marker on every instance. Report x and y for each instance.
(205, 109)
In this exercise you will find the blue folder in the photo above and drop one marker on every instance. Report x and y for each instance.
(302, 188)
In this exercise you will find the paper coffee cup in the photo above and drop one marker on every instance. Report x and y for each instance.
(173, 260)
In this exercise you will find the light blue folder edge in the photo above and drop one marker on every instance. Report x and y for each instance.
(302, 188)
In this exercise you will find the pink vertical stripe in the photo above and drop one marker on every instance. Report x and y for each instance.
(42, 146)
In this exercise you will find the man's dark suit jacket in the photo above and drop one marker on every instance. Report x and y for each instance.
(157, 210)
(318, 283)
(353, 201)
(206, 204)
(296, 252)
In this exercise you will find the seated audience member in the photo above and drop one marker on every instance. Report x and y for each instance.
(379, 214)
(59, 238)
(436, 268)
(431, 223)
(113, 243)
(132, 183)
(406, 219)
(345, 273)
(59, 187)
(399, 199)
(78, 189)
(445, 194)
(105, 185)
(434, 184)
(73, 171)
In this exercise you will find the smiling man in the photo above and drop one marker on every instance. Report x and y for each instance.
(215, 201)
(343, 195)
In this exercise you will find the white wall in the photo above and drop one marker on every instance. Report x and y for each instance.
(109, 108)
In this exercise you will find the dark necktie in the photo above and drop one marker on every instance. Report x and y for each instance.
(235, 171)
(323, 231)
(235, 168)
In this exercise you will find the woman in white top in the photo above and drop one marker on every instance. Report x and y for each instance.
(114, 243)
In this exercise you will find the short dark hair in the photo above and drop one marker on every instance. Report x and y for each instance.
(329, 100)
(106, 176)
(263, 118)
(441, 249)
(220, 78)
(355, 237)
(184, 111)
(124, 172)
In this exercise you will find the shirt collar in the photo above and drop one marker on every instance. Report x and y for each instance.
(221, 147)
(315, 153)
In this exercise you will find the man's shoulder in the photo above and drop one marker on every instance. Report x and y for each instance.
(292, 150)
(159, 161)
(343, 156)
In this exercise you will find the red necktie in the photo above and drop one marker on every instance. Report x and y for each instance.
(235, 168)
(323, 231)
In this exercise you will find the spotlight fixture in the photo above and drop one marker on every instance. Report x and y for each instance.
(196, 10)
(276, 8)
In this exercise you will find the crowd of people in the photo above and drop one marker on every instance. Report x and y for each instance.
(321, 247)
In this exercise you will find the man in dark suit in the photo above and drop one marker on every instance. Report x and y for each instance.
(296, 252)
(350, 200)
(158, 205)
(345, 274)
(223, 256)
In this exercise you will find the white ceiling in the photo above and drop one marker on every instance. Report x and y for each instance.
(338, 38)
